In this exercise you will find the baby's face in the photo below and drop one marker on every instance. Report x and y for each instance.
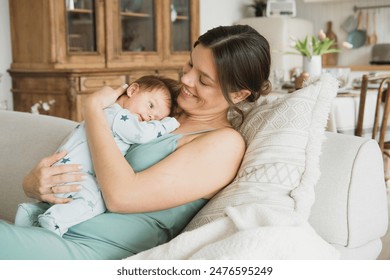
(149, 105)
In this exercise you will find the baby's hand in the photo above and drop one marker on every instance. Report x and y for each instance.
(103, 97)
(170, 124)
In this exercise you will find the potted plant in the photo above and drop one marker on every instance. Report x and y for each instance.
(312, 48)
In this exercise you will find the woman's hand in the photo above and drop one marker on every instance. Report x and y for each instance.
(45, 180)
(104, 97)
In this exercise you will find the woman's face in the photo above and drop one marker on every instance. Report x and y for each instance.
(201, 93)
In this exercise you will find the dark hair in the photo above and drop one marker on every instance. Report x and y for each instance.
(243, 60)
(160, 82)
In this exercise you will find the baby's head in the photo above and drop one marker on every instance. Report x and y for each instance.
(152, 97)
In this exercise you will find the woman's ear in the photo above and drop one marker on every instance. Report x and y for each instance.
(132, 89)
(239, 96)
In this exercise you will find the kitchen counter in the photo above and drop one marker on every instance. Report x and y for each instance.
(357, 71)
(369, 68)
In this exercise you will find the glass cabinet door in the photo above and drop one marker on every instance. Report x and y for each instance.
(138, 25)
(181, 29)
(134, 33)
(180, 25)
(81, 26)
(150, 33)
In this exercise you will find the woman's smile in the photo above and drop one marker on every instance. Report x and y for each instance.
(186, 92)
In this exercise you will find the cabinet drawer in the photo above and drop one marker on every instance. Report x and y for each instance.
(58, 104)
(92, 83)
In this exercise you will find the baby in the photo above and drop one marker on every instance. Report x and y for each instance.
(138, 116)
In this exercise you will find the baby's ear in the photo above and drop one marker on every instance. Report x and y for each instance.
(132, 89)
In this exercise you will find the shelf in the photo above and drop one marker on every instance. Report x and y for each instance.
(80, 11)
(82, 21)
(370, 67)
(356, 8)
(131, 14)
(182, 18)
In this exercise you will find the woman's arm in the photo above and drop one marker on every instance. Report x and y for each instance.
(45, 180)
(196, 170)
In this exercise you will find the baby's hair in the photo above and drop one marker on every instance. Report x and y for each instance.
(149, 82)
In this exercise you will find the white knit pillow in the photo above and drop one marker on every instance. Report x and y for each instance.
(281, 165)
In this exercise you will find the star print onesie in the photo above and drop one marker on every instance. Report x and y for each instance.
(88, 202)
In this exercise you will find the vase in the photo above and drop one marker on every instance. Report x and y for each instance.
(70, 4)
(313, 65)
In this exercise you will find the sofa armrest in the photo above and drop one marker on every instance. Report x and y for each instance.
(351, 204)
(25, 139)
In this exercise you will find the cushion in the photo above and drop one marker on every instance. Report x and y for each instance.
(281, 165)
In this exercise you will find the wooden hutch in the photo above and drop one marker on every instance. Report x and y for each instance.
(65, 49)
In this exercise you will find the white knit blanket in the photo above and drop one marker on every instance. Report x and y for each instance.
(247, 232)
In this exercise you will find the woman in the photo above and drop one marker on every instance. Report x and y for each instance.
(153, 198)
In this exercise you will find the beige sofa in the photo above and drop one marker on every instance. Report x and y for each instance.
(350, 210)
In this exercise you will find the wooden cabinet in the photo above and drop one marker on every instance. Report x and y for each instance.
(64, 49)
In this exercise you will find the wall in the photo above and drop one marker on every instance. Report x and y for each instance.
(5, 55)
(222, 12)
(214, 13)
(322, 11)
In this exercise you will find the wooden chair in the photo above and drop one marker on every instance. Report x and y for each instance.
(382, 97)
